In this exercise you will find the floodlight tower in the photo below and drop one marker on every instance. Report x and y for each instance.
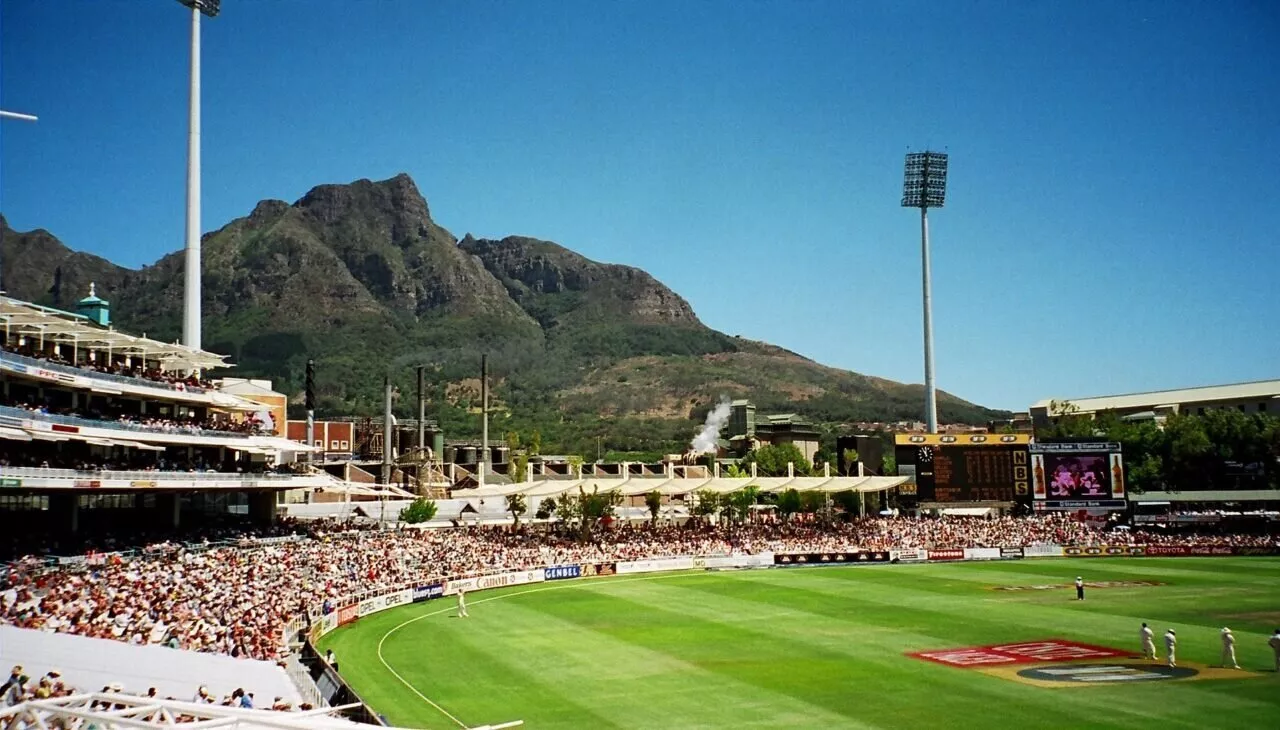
(191, 291)
(925, 186)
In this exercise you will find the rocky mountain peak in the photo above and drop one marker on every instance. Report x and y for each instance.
(394, 206)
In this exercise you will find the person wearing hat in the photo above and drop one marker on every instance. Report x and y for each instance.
(1079, 588)
(1171, 646)
(1148, 642)
(1228, 649)
(1274, 643)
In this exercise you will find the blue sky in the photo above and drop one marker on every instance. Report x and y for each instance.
(1110, 224)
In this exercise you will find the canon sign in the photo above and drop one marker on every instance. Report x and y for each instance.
(501, 580)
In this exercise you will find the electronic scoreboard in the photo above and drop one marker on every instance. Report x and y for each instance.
(966, 467)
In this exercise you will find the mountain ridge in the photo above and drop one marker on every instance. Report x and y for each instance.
(360, 277)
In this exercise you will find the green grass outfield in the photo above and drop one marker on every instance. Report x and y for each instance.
(816, 648)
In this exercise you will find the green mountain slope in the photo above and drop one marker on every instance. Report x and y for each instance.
(361, 278)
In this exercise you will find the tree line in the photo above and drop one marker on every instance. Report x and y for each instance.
(1222, 448)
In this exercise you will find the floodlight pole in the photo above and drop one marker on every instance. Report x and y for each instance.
(191, 290)
(930, 388)
(925, 186)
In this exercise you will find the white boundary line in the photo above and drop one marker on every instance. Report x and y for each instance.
(562, 586)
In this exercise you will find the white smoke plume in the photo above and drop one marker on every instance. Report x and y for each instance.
(705, 441)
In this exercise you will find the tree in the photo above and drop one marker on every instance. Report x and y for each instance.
(546, 508)
(734, 471)
(890, 467)
(850, 461)
(736, 506)
(535, 443)
(653, 500)
(788, 503)
(812, 502)
(517, 506)
(847, 501)
(707, 503)
(418, 511)
(1066, 421)
(595, 507)
(771, 461)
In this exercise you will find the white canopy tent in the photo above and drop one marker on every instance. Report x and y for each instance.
(683, 485)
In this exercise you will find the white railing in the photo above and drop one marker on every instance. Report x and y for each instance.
(29, 472)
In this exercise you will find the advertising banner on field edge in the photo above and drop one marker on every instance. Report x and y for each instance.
(722, 562)
(347, 614)
(1177, 551)
(794, 559)
(1042, 551)
(1010, 553)
(1103, 551)
(909, 556)
(324, 625)
(563, 572)
(947, 554)
(485, 582)
(983, 554)
(655, 566)
(428, 591)
(591, 570)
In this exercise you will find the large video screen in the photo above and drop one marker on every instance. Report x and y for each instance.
(1078, 476)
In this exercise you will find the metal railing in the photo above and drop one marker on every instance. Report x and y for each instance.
(24, 414)
(96, 374)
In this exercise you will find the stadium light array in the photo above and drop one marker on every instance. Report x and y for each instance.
(924, 186)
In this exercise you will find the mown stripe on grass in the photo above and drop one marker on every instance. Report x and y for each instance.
(627, 685)
(874, 658)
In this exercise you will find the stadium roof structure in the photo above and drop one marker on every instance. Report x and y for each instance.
(684, 485)
(54, 325)
(1164, 399)
(117, 711)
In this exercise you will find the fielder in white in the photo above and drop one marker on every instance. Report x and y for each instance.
(1148, 643)
(1171, 646)
(1228, 649)
(1274, 643)
(462, 604)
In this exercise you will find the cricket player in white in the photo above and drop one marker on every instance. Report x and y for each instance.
(1171, 646)
(1228, 649)
(1274, 643)
(1079, 588)
(462, 604)
(1148, 642)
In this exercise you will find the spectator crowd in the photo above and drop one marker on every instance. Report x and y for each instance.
(115, 416)
(110, 366)
(237, 599)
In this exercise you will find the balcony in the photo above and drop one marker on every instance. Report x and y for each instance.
(10, 414)
(44, 478)
(54, 367)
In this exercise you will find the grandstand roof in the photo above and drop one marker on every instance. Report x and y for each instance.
(90, 663)
(54, 325)
(116, 711)
(1256, 390)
